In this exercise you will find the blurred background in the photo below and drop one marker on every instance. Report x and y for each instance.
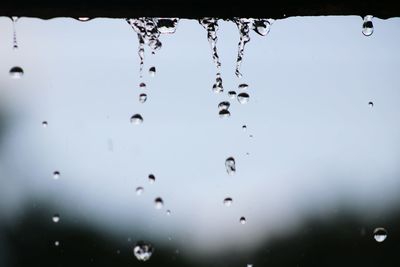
(317, 165)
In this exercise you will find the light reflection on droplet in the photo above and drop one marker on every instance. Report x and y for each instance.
(143, 250)
(158, 203)
(242, 220)
(137, 119)
(56, 175)
(16, 72)
(228, 202)
(56, 218)
(152, 178)
(380, 234)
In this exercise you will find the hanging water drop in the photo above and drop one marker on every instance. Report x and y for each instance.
(228, 202)
(232, 94)
(139, 190)
(242, 220)
(143, 250)
(230, 165)
(158, 203)
(243, 25)
(136, 119)
(16, 72)
(83, 19)
(224, 113)
(56, 175)
(152, 71)
(56, 218)
(167, 25)
(142, 98)
(243, 98)
(14, 22)
(243, 86)
(367, 27)
(152, 178)
(380, 234)
(261, 26)
(223, 105)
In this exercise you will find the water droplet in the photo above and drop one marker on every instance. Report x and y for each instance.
(159, 203)
(230, 165)
(143, 250)
(56, 175)
(142, 86)
(142, 98)
(261, 26)
(228, 202)
(152, 71)
(168, 212)
(249, 265)
(223, 105)
(152, 178)
(242, 220)
(56, 218)
(83, 18)
(139, 190)
(244, 28)
(243, 86)
(368, 27)
(224, 113)
(232, 94)
(167, 25)
(244, 127)
(243, 98)
(45, 124)
(380, 234)
(16, 72)
(217, 87)
(137, 119)
(56, 243)
(371, 104)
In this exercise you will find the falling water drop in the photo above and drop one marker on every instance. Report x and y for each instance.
(158, 203)
(167, 25)
(136, 119)
(243, 98)
(261, 26)
(16, 72)
(243, 86)
(232, 94)
(228, 202)
(223, 105)
(139, 190)
(142, 86)
(152, 71)
(242, 220)
(380, 234)
(244, 127)
(367, 27)
(56, 175)
(57, 243)
(142, 98)
(14, 22)
(230, 165)
(249, 265)
(224, 113)
(56, 218)
(152, 178)
(168, 212)
(243, 25)
(217, 87)
(44, 124)
(143, 250)
(371, 104)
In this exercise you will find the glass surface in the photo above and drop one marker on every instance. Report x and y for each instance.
(317, 165)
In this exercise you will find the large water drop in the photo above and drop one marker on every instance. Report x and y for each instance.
(16, 72)
(380, 234)
(243, 98)
(143, 250)
(137, 119)
(230, 165)
(228, 202)
(367, 27)
(243, 25)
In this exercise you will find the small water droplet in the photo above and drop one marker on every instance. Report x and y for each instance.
(243, 98)
(224, 113)
(56, 218)
(168, 212)
(139, 190)
(152, 71)
(142, 86)
(371, 104)
(242, 220)
(232, 94)
(228, 202)
(143, 250)
(380, 234)
(159, 203)
(56, 175)
(44, 124)
(244, 127)
(230, 165)
(223, 105)
(368, 27)
(167, 25)
(137, 119)
(56, 243)
(243, 86)
(261, 26)
(152, 178)
(142, 98)
(217, 87)
(16, 72)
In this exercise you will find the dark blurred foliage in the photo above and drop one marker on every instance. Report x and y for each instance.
(342, 240)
